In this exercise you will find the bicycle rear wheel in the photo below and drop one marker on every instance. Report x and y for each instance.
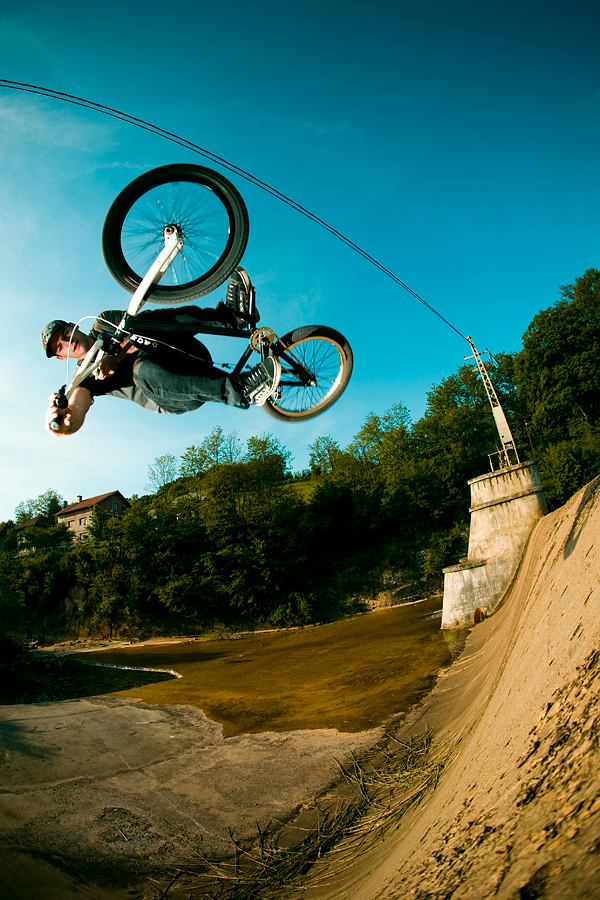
(208, 211)
(316, 365)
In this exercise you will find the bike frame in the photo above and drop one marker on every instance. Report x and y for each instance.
(173, 245)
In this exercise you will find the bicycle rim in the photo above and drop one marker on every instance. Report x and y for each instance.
(201, 218)
(207, 210)
(319, 354)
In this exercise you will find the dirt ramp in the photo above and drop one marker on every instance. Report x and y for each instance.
(516, 812)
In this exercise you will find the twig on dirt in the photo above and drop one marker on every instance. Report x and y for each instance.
(387, 782)
(164, 892)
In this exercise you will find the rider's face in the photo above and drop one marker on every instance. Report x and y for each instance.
(68, 340)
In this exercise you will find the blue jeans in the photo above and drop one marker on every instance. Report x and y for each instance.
(185, 385)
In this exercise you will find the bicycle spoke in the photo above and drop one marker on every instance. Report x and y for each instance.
(197, 212)
(321, 361)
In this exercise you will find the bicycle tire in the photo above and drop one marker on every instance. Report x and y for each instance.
(323, 353)
(210, 213)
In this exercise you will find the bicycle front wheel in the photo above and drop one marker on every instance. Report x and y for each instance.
(316, 365)
(210, 215)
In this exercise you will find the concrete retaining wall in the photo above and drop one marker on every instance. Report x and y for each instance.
(505, 505)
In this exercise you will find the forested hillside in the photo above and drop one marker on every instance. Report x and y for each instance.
(232, 535)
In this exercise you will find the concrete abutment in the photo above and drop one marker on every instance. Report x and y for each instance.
(505, 506)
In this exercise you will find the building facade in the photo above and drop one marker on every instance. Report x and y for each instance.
(76, 516)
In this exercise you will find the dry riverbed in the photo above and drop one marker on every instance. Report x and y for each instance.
(99, 793)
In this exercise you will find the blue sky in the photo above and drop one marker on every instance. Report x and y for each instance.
(459, 144)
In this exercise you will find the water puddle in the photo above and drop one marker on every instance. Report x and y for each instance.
(351, 675)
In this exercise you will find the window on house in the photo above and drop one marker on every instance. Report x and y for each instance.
(83, 521)
(115, 506)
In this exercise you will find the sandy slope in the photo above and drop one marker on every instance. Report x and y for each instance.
(516, 813)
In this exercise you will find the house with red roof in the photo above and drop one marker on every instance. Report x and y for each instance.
(76, 516)
(42, 522)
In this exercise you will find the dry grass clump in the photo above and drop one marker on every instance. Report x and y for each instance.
(383, 785)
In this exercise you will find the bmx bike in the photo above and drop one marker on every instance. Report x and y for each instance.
(177, 233)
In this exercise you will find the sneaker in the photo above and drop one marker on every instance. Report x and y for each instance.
(259, 383)
(238, 297)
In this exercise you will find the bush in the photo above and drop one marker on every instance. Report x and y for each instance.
(444, 549)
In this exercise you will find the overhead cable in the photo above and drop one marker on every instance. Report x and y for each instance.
(189, 145)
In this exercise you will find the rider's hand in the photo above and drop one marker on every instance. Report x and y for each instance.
(106, 367)
(54, 414)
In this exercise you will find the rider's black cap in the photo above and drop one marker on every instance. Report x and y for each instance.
(49, 332)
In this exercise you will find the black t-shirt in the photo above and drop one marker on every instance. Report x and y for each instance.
(171, 360)
(123, 377)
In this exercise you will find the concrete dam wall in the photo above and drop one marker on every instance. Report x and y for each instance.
(505, 506)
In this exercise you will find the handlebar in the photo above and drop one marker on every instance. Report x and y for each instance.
(173, 245)
(61, 403)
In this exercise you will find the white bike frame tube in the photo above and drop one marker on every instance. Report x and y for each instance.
(88, 364)
(173, 244)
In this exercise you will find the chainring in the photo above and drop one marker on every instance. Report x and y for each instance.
(262, 336)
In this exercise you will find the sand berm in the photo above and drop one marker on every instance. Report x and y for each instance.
(515, 813)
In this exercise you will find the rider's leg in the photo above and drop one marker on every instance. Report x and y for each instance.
(186, 319)
(184, 388)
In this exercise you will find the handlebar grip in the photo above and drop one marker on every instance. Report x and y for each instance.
(61, 400)
(61, 403)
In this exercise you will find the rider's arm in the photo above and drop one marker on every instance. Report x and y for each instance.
(72, 418)
(109, 363)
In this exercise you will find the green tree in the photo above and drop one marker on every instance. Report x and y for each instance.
(245, 486)
(566, 466)
(444, 549)
(98, 523)
(557, 374)
(47, 504)
(267, 445)
(162, 471)
(367, 443)
(12, 633)
(41, 581)
(24, 511)
(558, 370)
(45, 538)
(458, 427)
(216, 448)
(324, 452)
(384, 442)
(11, 540)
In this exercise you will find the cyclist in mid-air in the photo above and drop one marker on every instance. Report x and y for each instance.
(167, 381)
